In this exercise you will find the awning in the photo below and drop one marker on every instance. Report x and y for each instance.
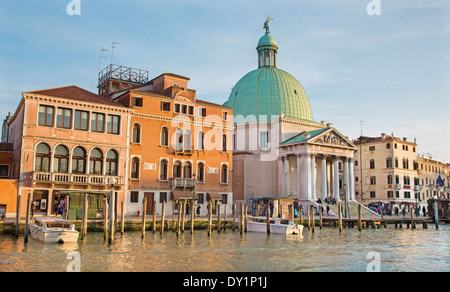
(214, 196)
(181, 195)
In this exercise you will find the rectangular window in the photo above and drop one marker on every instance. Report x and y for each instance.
(4, 170)
(134, 197)
(112, 124)
(191, 110)
(177, 108)
(45, 116)
(97, 122)
(372, 194)
(264, 139)
(200, 198)
(202, 111)
(225, 116)
(371, 148)
(165, 106)
(138, 101)
(64, 118)
(163, 197)
(81, 120)
(184, 109)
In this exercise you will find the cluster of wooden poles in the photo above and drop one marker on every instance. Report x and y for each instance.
(109, 218)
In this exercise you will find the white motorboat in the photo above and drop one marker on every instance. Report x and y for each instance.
(55, 230)
(277, 225)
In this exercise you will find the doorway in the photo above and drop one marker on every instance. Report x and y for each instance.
(150, 202)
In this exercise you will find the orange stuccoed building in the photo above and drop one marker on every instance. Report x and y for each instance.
(136, 139)
(180, 147)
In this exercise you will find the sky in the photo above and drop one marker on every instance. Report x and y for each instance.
(391, 70)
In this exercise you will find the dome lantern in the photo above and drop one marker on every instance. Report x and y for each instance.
(268, 91)
(267, 48)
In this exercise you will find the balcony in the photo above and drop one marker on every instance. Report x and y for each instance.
(182, 151)
(182, 182)
(76, 179)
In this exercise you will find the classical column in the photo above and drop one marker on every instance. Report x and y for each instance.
(306, 167)
(286, 176)
(299, 178)
(346, 179)
(352, 179)
(324, 177)
(313, 177)
(336, 178)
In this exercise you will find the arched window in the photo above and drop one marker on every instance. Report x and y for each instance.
(224, 174)
(96, 161)
(187, 171)
(112, 159)
(177, 169)
(163, 169)
(135, 167)
(136, 134)
(201, 172)
(201, 141)
(164, 136)
(79, 160)
(179, 140)
(42, 162)
(61, 159)
(187, 140)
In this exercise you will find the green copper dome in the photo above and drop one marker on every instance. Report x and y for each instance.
(268, 90)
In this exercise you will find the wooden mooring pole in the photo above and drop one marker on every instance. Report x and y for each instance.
(84, 220)
(192, 217)
(242, 219)
(313, 224)
(144, 213)
(154, 218)
(209, 219)
(233, 211)
(320, 216)
(268, 218)
(245, 218)
(27, 220)
(122, 221)
(359, 217)
(340, 217)
(301, 214)
(219, 222)
(105, 219)
(163, 217)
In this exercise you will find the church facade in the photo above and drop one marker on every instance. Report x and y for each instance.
(279, 150)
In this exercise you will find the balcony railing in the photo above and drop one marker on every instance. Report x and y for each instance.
(73, 178)
(182, 182)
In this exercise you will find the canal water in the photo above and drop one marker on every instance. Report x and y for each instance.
(383, 250)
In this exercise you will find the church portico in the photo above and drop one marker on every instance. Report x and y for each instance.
(313, 171)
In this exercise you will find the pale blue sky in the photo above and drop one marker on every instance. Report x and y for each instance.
(392, 70)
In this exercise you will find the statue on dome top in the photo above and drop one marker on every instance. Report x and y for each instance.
(266, 25)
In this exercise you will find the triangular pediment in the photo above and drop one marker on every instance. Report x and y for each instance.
(332, 137)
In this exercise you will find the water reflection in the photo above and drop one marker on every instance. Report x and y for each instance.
(326, 249)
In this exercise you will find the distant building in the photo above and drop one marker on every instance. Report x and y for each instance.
(386, 170)
(429, 171)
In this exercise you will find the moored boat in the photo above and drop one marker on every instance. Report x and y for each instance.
(53, 230)
(277, 225)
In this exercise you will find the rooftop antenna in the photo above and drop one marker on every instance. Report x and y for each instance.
(112, 50)
(101, 57)
(361, 123)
